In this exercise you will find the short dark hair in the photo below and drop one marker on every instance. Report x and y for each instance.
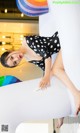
(3, 59)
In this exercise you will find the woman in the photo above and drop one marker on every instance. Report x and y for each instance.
(39, 50)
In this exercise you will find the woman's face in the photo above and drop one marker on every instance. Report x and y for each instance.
(14, 58)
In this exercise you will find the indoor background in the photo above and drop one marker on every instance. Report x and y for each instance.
(14, 25)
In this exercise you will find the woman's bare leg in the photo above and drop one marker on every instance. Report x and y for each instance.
(58, 71)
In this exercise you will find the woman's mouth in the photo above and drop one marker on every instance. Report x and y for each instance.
(20, 56)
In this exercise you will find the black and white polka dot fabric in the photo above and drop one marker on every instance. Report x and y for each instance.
(44, 46)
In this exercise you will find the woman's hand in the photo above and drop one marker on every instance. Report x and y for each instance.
(77, 101)
(45, 82)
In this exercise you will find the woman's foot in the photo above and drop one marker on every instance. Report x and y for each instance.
(60, 122)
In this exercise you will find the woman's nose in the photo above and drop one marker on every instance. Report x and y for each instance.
(15, 59)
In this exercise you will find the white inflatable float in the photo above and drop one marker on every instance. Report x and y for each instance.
(21, 102)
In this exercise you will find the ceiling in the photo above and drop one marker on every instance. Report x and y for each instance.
(12, 11)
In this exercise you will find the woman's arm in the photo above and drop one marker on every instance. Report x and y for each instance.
(46, 78)
(47, 66)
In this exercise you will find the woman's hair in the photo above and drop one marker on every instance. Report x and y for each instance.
(3, 59)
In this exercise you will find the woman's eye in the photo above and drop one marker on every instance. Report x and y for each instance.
(11, 58)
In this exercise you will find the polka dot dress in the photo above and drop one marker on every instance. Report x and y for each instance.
(43, 46)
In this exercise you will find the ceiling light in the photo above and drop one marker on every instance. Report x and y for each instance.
(3, 43)
(5, 10)
(21, 36)
(22, 15)
(3, 49)
(3, 36)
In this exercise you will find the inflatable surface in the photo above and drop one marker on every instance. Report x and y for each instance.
(23, 102)
(32, 7)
